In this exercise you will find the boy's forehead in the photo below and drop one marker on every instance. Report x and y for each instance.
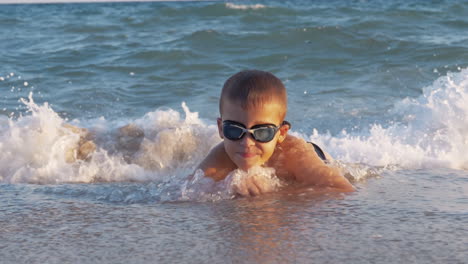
(273, 105)
(268, 110)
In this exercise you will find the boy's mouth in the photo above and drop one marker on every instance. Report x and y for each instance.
(247, 155)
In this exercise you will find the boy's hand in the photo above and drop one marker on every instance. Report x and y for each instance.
(251, 186)
(254, 182)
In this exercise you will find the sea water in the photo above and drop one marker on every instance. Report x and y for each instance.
(381, 86)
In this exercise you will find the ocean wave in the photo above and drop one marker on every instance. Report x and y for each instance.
(430, 131)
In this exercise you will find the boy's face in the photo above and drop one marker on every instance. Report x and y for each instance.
(247, 152)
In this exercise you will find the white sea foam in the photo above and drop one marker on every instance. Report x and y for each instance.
(244, 7)
(430, 131)
(34, 148)
(201, 188)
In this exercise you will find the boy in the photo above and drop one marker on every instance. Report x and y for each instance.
(252, 108)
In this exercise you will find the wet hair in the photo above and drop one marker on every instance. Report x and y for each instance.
(252, 88)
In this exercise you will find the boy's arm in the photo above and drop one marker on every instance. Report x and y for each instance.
(308, 169)
(217, 164)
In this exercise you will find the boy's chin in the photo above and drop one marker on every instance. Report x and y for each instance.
(247, 166)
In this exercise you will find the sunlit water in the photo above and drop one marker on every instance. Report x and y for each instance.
(382, 87)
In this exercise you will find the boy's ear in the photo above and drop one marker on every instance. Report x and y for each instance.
(283, 132)
(220, 127)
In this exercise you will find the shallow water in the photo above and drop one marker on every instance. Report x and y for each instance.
(383, 87)
(390, 219)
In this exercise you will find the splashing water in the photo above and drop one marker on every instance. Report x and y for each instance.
(432, 131)
(201, 188)
(34, 148)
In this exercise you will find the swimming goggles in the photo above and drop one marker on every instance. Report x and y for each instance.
(262, 133)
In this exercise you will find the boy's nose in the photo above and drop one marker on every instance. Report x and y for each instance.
(247, 140)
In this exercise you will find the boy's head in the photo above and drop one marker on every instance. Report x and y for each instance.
(253, 105)
(253, 88)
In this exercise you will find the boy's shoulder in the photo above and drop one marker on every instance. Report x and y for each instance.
(297, 146)
(295, 156)
(301, 162)
(293, 146)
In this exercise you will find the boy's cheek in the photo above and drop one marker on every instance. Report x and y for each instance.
(228, 148)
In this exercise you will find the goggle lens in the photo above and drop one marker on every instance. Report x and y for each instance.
(264, 134)
(232, 132)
